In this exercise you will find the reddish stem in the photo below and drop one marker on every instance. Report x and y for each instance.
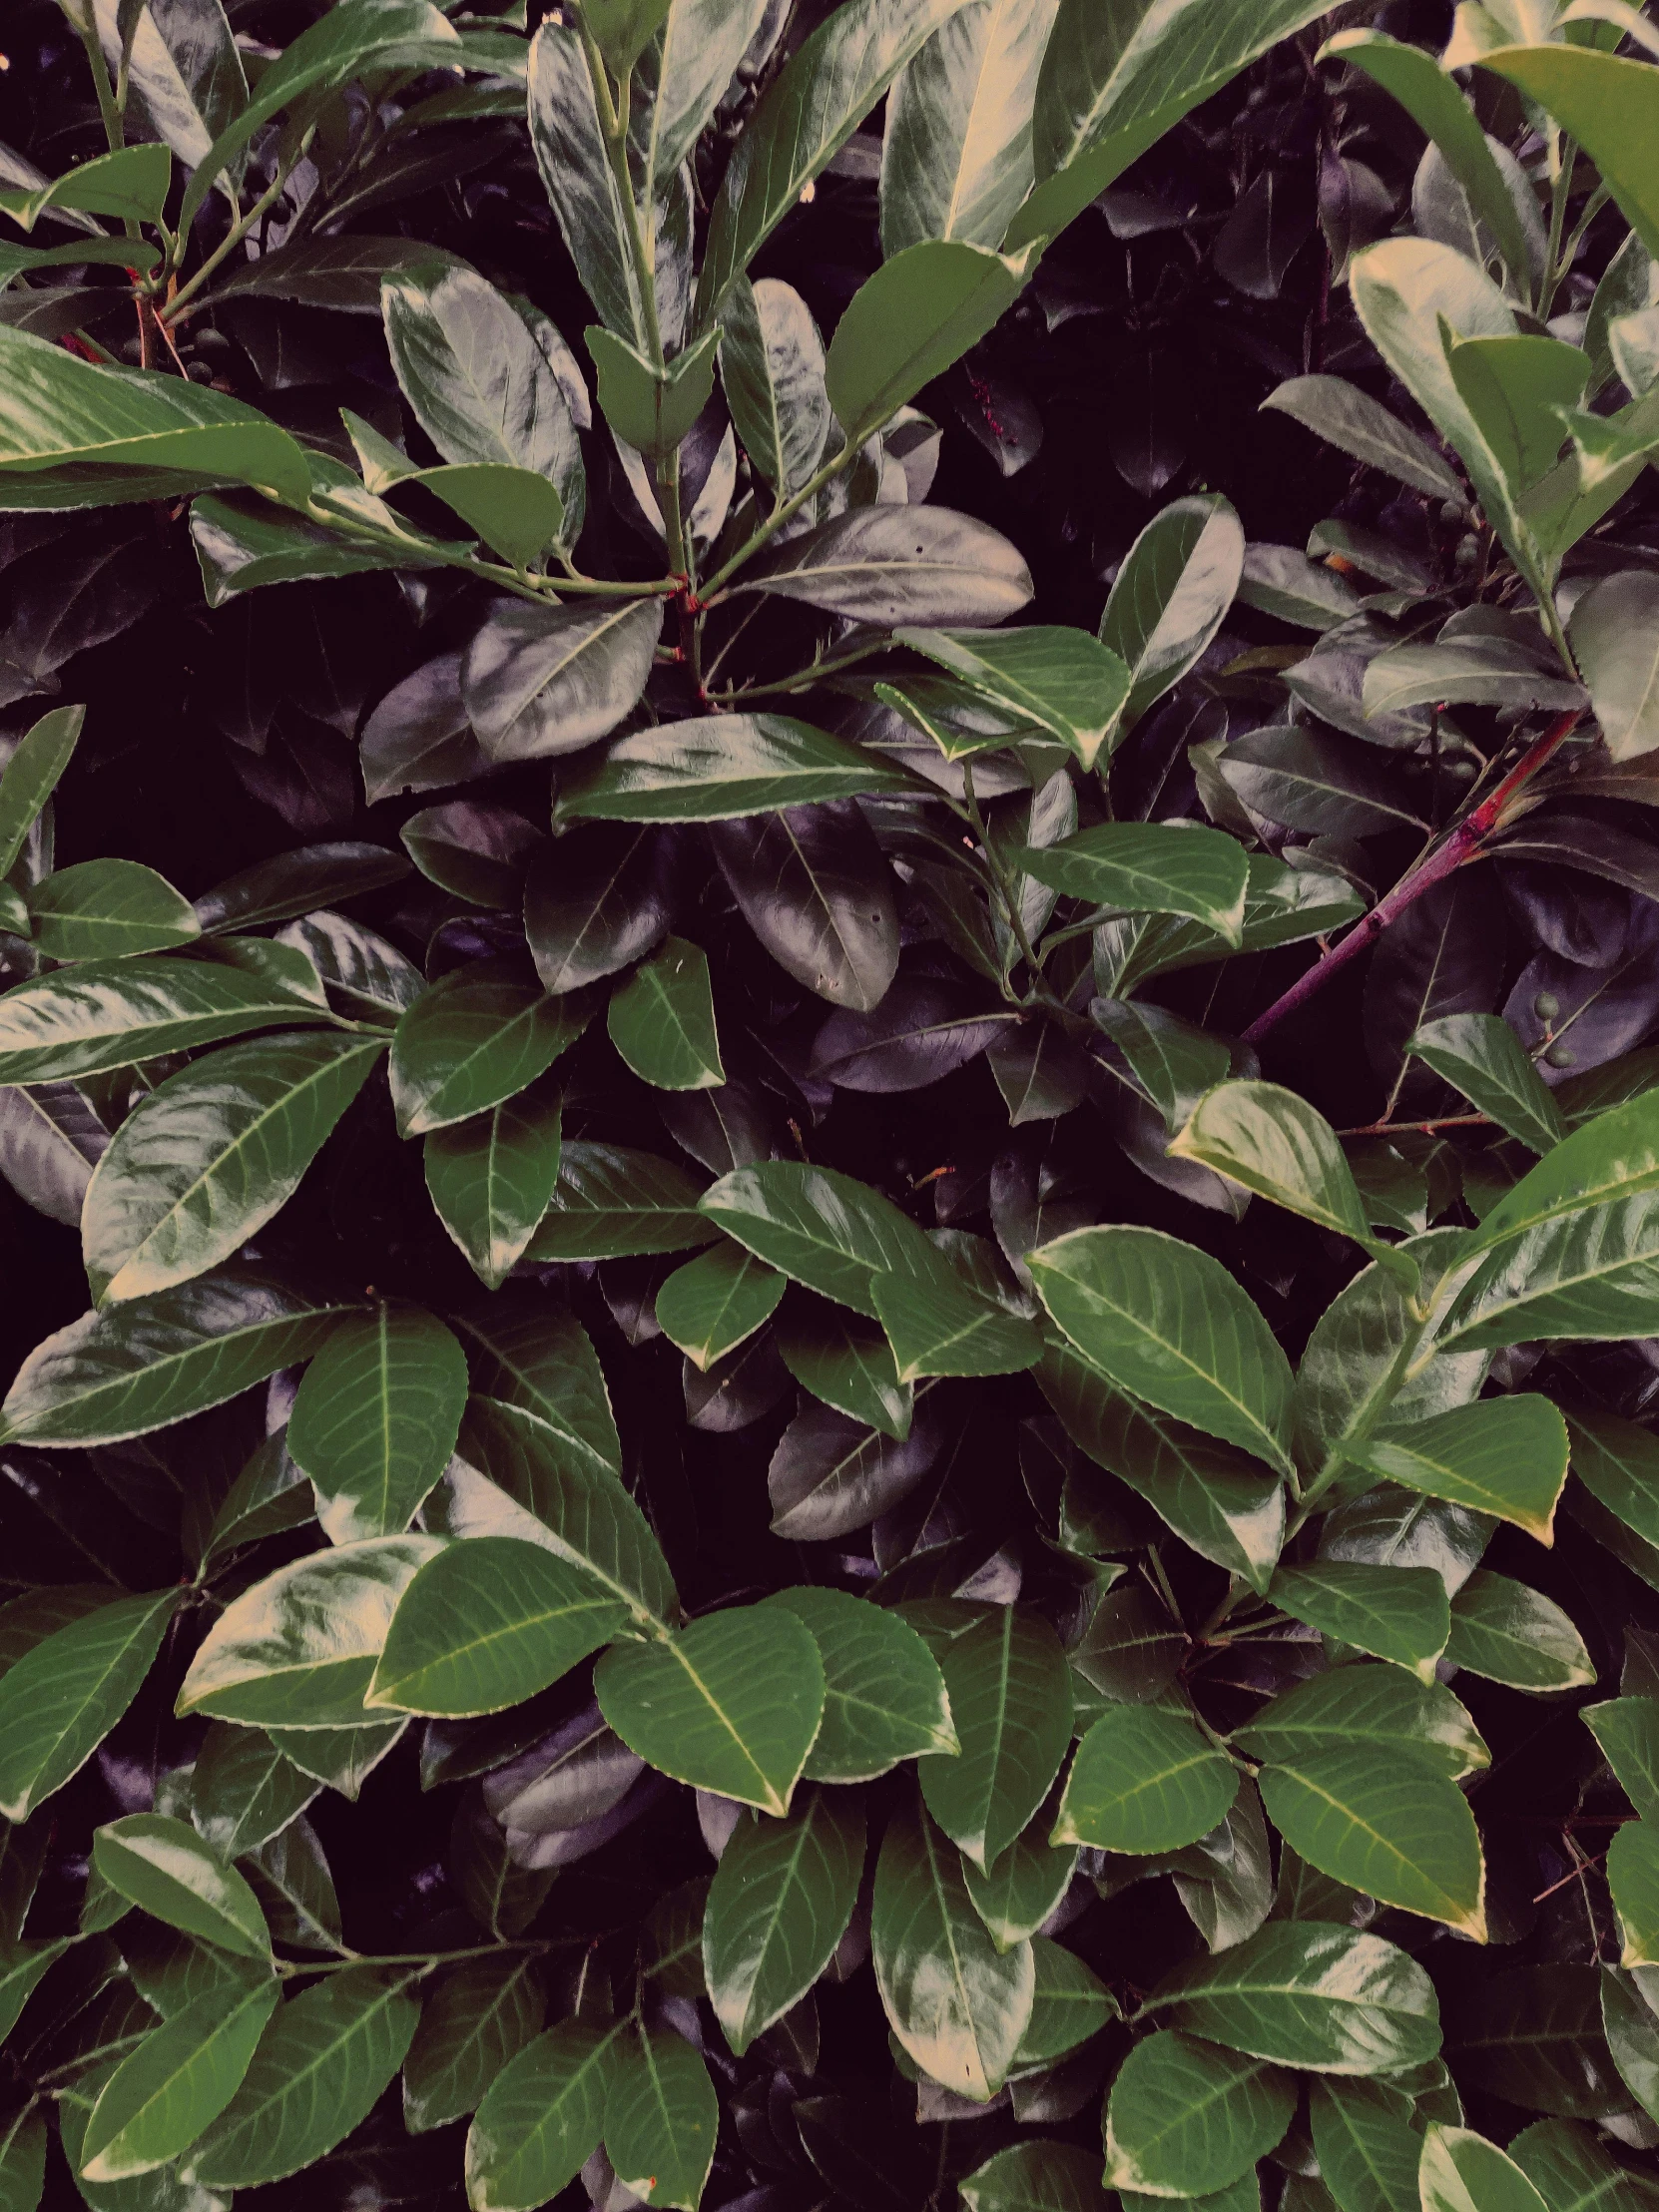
(1462, 844)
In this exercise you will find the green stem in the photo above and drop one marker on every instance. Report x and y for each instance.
(779, 516)
(228, 245)
(806, 678)
(295, 1967)
(108, 106)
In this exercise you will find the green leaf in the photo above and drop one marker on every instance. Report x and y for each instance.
(1071, 2004)
(1171, 594)
(1360, 427)
(819, 1228)
(1505, 1455)
(485, 394)
(1366, 2149)
(542, 1363)
(478, 1036)
(905, 325)
(1307, 1993)
(940, 1322)
(1609, 104)
(1035, 2176)
(176, 2083)
(957, 2005)
(1571, 2170)
(661, 2118)
(1633, 1876)
(244, 1791)
(1010, 1704)
(1144, 1781)
(848, 1368)
(299, 1649)
(649, 409)
(31, 775)
(1061, 680)
(540, 681)
(541, 2117)
(1155, 867)
(1169, 1323)
(480, 2017)
(62, 1698)
(714, 768)
(1432, 100)
(730, 1704)
(153, 1361)
(62, 412)
(887, 565)
(884, 1697)
(1277, 1146)
(1111, 86)
(1633, 2043)
(1186, 2118)
(772, 368)
(108, 909)
(611, 1201)
(716, 1303)
(1391, 1826)
(1487, 1062)
(23, 2158)
(662, 1020)
(1021, 1889)
(210, 1155)
(1463, 2172)
(1614, 637)
(703, 43)
(1326, 783)
(1227, 1506)
(1516, 388)
(1396, 1613)
(827, 86)
(491, 1179)
(319, 2067)
(1510, 1633)
(343, 1758)
(779, 1905)
(1380, 1706)
(486, 1624)
(956, 149)
(166, 1869)
(584, 1513)
(132, 182)
(114, 1013)
(376, 1419)
(1627, 1730)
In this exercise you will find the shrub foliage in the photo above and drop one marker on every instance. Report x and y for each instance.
(995, 1275)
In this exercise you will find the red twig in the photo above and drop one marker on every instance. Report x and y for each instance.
(1461, 844)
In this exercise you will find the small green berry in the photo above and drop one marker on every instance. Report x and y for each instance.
(1561, 1056)
(1547, 1006)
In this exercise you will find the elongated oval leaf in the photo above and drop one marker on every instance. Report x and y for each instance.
(376, 1419)
(480, 1035)
(1388, 1825)
(1189, 2117)
(62, 1698)
(112, 1013)
(168, 2092)
(540, 2118)
(1144, 1780)
(163, 1865)
(779, 1902)
(1010, 1704)
(884, 1698)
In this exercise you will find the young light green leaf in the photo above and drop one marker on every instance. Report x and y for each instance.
(299, 1649)
(730, 1704)
(170, 2090)
(166, 1869)
(649, 409)
(779, 1905)
(1144, 1781)
(1609, 104)
(541, 2117)
(1062, 681)
(486, 1624)
(1188, 2118)
(153, 1361)
(884, 1697)
(772, 366)
(1010, 1704)
(1390, 1825)
(320, 2064)
(1171, 594)
(958, 2007)
(661, 2118)
(1169, 1323)
(1487, 1062)
(1510, 1633)
(662, 1020)
(1505, 1455)
(1395, 1613)
(716, 1302)
(1307, 1993)
(491, 1179)
(210, 1155)
(61, 1699)
(376, 1419)
(1156, 868)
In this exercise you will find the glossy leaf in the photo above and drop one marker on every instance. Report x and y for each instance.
(1463, 2172)
(110, 1014)
(611, 1201)
(376, 1419)
(1627, 1728)
(1352, 1705)
(1010, 1704)
(1063, 681)
(716, 1302)
(178, 2082)
(1171, 594)
(1485, 1059)
(62, 1698)
(661, 2117)
(1396, 1613)
(541, 681)
(1143, 1781)
(480, 2015)
(1151, 867)
(479, 1036)
(31, 775)
(892, 565)
(1390, 1825)
(1510, 1634)
(1367, 2149)
(772, 368)
(1035, 2176)
(164, 1867)
(541, 2117)
(1187, 2117)
(730, 1704)
(779, 1905)
(1276, 1145)
(811, 883)
(491, 1179)
(719, 767)
(884, 1697)
(107, 911)
(1633, 1878)
(662, 1020)
(1505, 1456)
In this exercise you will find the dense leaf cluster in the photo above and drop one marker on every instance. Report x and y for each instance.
(822, 885)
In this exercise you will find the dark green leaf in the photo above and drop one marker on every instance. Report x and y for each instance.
(1505, 1456)
(1390, 1825)
(662, 1020)
(1186, 2117)
(62, 1698)
(164, 1867)
(480, 2017)
(31, 776)
(178, 2082)
(661, 2118)
(1171, 594)
(1144, 1781)
(481, 1035)
(1396, 1613)
(611, 1201)
(1151, 867)
(1010, 1704)
(1380, 1706)
(891, 565)
(716, 1302)
(884, 1697)
(772, 368)
(542, 681)
(813, 884)
(1510, 1634)
(491, 1179)
(541, 2117)
(716, 768)
(779, 1905)
(376, 1419)
(114, 1013)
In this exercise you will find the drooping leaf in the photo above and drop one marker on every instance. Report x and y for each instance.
(661, 2118)
(777, 1906)
(61, 1699)
(1277, 1146)
(717, 1301)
